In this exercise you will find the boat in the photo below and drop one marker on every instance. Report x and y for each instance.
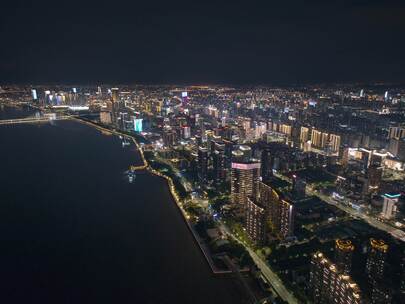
(131, 176)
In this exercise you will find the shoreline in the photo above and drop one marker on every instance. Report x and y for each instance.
(172, 190)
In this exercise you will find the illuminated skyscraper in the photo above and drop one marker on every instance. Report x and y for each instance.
(316, 138)
(202, 165)
(218, 166)
(287, 214)
(343, 255)
(304, 135)
(256, 217)
(244, 179)
(329, 285)
(389, 209)
(375, 265)
(138, 124)
(34, 95)
(334, 142)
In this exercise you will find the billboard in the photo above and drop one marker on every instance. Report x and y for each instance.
(138, 124)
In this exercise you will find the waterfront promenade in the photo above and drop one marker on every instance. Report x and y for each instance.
(270, 275)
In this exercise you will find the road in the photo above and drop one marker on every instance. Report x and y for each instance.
(270, 275)
(396, 233)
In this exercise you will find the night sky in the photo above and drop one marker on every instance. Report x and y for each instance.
(202, 42)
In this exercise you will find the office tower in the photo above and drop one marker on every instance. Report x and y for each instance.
(287, 214)
(202, 165)
(389, 209)
(201, 125)
(123, 119)
(267, 165)
(304, 135)
(328, 285)
(114, 94)
(228, 152)
(99, 92)
(298, 186)
(218, 166)
(255, 217)
(343, 255)
(377, 254)
(244, 179)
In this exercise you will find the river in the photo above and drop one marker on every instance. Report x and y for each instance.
(74, 230)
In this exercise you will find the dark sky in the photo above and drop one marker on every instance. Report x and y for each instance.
(202, 41)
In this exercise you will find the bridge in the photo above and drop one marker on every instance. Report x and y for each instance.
(29, 120)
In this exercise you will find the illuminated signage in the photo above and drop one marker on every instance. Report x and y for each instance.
(245, 166)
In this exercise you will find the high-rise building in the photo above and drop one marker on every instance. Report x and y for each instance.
(114, 94)
(244, 179)
(287, 214)
(169, 137)
(396, 133)
(389, 209)
(334, 142)
(218, 166)
(329, 285)
(267, 165)
(304, 135)
(343, 255)
(375, 265)
(255, 217)
(374, 176)
(298, 186)
(34, 95)
(280, 210)
(316, 138)
(105, 117)
(202, 165)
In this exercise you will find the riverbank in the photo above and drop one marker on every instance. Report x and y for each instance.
(176, 197)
